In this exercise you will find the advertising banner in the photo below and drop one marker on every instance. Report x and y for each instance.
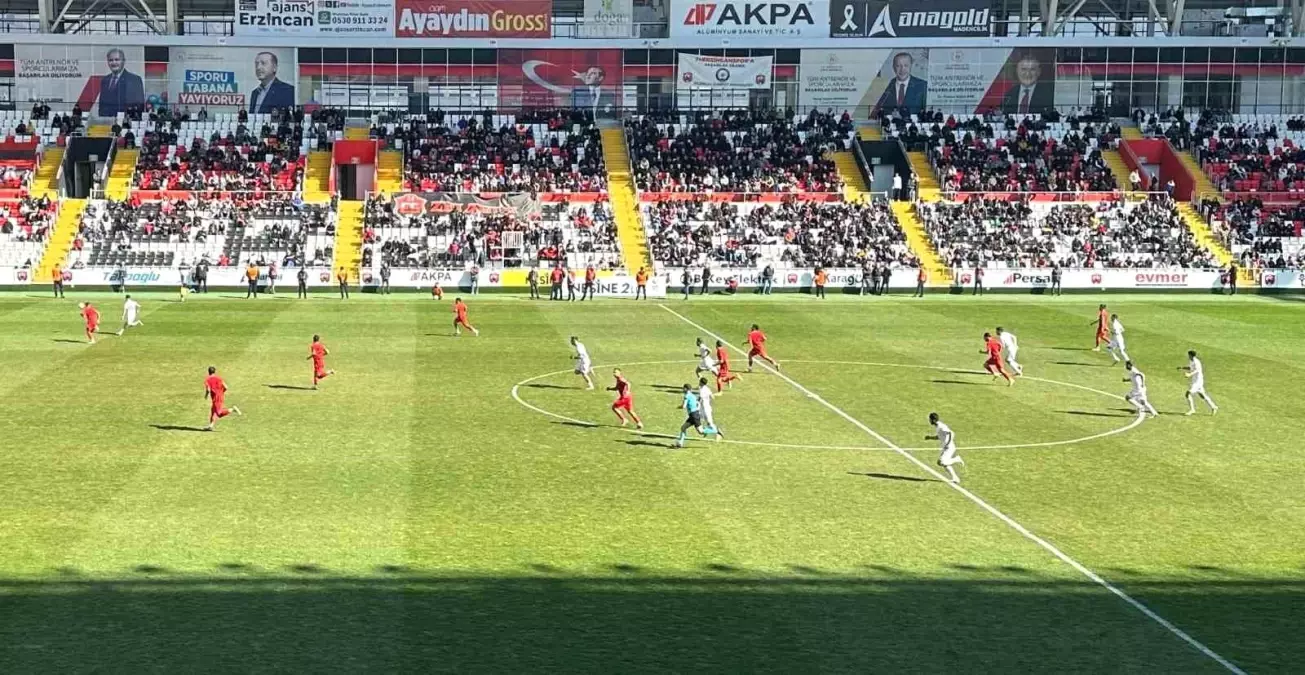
(256, 80)
(1283, 279)
(588, 79)
(1100, 279)
(1016, 81)
(608, 19)
(881, 19)
(725, 72)
(343, 18)
(473, 19)
(16, 276)
(521, 204)
(839, 79)
(749, 19)
(102, 80)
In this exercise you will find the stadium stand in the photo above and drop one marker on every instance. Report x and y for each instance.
(24, 228)
(545, 151)
(795, 233)
(1263, 235)
(737, 151)
(574, 234)
(994, 153)
(225, 151)
(1002, 233)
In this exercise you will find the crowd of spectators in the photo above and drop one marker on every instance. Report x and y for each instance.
(1265, 236)
(1262, 154)
(737, 151)
(1020, 233)
(794, 233)
(249, 156)
(998, 153)
(542, 233)
(27, 219)
(540, 151)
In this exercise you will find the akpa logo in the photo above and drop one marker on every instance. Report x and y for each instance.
(700, 15)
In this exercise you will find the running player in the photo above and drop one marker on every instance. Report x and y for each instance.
(1012, 346)
(1102, 322)
(757, 348)
(947, 444)
(1138, 395)
(705, 362)
(992, 347)
(624, 399)
(705, 397)
(130, 314)
(723, 374)
(1116, 346)
(583, 366)
(693, 415)
(216, 390)
(92, 318)
(1196, 384)
(460, 318)
(317, 352)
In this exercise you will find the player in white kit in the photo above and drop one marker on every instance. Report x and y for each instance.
(1116, 346)
(1012, 346)
(706, 364)
(947, 444)
(583, 366)
(130, 315)
(1138, 395)
(705, 398)
(1196, 384)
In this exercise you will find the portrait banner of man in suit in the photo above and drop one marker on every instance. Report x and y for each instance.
(907, 89)
(250, 79)
(101, 79)
(586, 79)
(1031, 74)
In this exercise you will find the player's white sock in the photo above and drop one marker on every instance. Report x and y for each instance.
(952, 472)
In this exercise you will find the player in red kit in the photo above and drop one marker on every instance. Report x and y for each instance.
(216, 391)
(460, 318)
(757, 348)
(992, 347)
(317, 352)
(1103, 326)
(92, 318)
(624, 400)
(723, 374)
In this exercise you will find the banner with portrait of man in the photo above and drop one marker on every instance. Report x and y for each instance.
(250, 79)
(100, 79)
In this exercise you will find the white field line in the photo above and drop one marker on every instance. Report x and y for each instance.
(1010, 522)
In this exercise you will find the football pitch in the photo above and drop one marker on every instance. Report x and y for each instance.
(464, 504)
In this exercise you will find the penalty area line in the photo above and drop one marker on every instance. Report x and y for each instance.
(978, 501)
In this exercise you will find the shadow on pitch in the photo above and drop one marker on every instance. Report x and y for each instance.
(976, 384)
(1072, 349)
(651, 444)
(66, 341)
(891, 476)
(548, 386)
(291, 387)
(1088, 413)
(177, 427)
(669, 388)
(1080, 363)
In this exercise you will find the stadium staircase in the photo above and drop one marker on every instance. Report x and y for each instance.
(317, 177)
(1206, 238)
(625, 204)
(45, 182)
(1202, 186)
(66, 225)
(1117, 167)
(921, 246)
(389, 172)
(348, 241)
(357, 133)
(855, 190)
(1129, 131)
(927, 188)
(870, 131)
(118, 187)
(100, 131)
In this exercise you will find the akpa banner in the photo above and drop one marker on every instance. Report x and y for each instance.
(750, 19)
(725, 72)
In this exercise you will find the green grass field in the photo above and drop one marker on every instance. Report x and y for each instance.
(412, 516)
